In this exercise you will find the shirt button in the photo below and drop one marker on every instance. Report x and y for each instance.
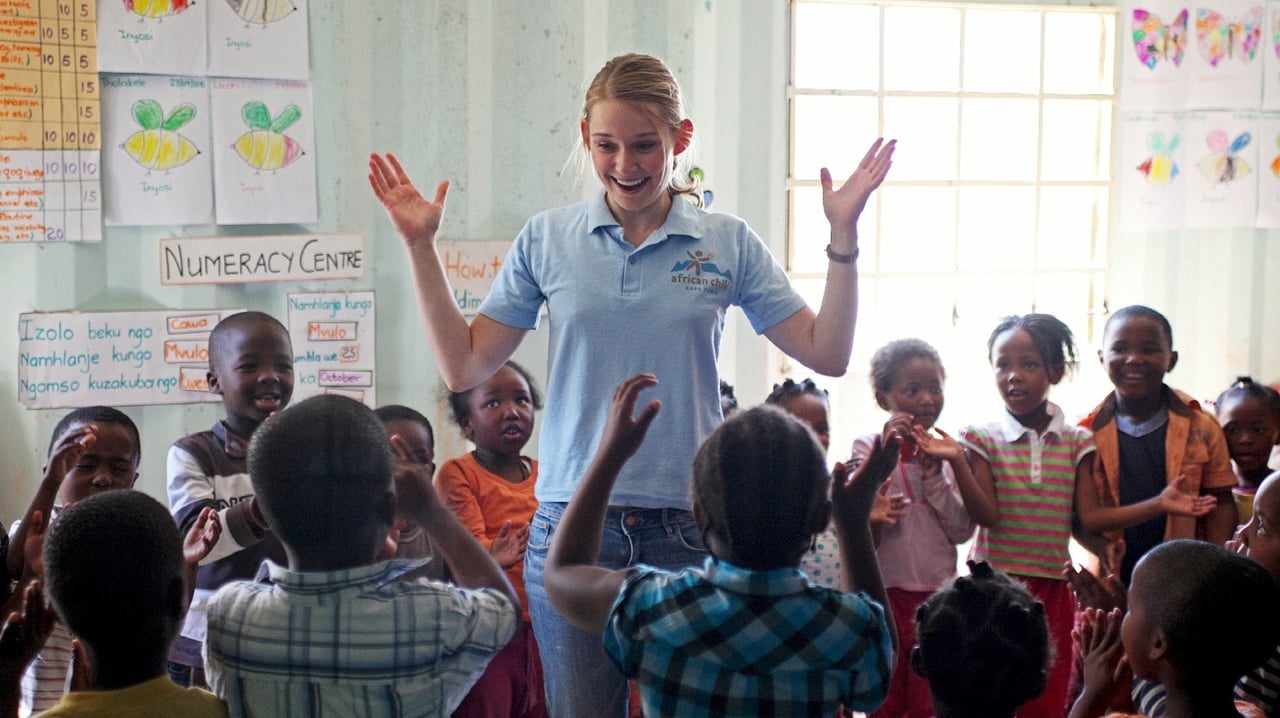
(631, 260)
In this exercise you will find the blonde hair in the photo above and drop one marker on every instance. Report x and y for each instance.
(646, 83)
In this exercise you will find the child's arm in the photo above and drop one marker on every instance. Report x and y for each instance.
(64, 456)
(197, 544)
(467, 353)
(191, 490)
(973, 475)
(26, 626)
(851, 501)
(416, 499)
(581, 591)
(508, 546)
(1173, 500)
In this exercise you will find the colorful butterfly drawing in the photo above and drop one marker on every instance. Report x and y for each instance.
(1159, 168)
(1225, 165)
(1275, 164)
(1154, 41)
(1275, 31)
(1222, 40)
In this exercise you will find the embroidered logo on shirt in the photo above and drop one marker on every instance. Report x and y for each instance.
(700, 274)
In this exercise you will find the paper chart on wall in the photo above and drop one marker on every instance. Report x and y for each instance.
(1222, 158)
(152, 36)
(333, 345)
(1225, 55)
(1268, 142)
(258, 38)
(264, 162)
(1153, 65)
(1271, 56)
(1152, 171)
(157, 139)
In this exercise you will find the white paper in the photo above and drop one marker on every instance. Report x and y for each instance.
(333, 345)
(1222, 158)
(1225, 56)
(1157, 36)
(166, 38)
(1152, 170)
(270, 258)
(1268, 142)
(1270, 52)
(258, 38)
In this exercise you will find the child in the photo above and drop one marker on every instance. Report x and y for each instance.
(339, 632)
(916, 551)
(490, 489)
(415, 431)
(1249, 413)
(983, 645)
(1025, 468)
(114, 572)
(93, 450)
(1199, 619)
(747, 634)
(251, 368)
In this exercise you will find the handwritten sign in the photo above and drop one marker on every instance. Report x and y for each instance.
(471, 266)
(70, 359)
(281, 258)
(333, 341)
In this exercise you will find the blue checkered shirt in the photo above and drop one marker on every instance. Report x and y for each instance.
(357, 642)
(726, 641)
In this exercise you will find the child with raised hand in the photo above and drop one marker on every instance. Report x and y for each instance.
(92, 450)
(490, 489)
(746, 634)
(1162, 463)
(983, 645)
(1025, 469)
(410, 540)
(1249, 413)
(917, 549)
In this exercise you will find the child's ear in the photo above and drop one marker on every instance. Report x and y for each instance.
(212, 380)
(1173, 361)
(1056, 372)
(1101, 359)
(467, 432)
(917, 662)
(1159, 646)
(880, 401)
(819, 520)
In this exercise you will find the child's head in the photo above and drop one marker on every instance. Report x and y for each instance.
(907, 377)
(1029, 353)
(1250, 416)
(982, 644)
(1199, 614)
(760, 488)
(322, 475)
(113, 569)
(411, 426)
(110, 462)
(251, 367)
(728, 401)
(805, 401)
(497, 415)
(634, 110)
(1137, 351)
(1259, 539)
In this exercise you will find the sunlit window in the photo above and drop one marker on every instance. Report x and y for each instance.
(999, 198)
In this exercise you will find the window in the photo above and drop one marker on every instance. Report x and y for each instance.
(998, 202)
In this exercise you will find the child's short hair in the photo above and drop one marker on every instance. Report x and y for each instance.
(113, 569)
(240, 321)
(400, 412)
(728, 400)
(95, 415)
(760, 482)
(888, 358)
(1138, 311)
(321, 471)
(460, 401)
(791, 388)
(1245, 386)
(1052, 337)
(1220, 612)
(983, 644)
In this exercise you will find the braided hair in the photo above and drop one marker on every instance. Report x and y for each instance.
(1053, 338)
(1246, 387)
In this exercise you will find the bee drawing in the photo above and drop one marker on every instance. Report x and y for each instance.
(158, 146)
(157, 8)
(1160, 168)
(1225, 165)
(261, 12)
(264, 146)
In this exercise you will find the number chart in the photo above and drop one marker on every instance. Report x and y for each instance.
(50, 132)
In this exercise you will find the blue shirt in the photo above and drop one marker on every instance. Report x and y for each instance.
(617, 310)
(727, 641)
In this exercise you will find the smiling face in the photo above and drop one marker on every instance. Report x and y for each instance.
(1136, 354)
(501, 418)
(110, 462)
(1022, 377)
(633, 156)
(1251, 430)
(916, 389)
(252, 369)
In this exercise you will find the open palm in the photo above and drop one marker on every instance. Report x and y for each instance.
(413, 216)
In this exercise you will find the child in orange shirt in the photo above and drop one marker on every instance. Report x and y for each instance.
(491, 491)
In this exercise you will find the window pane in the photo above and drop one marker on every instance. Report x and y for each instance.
(927, 132)
(1071, 42)
(983, 299)
(997, 228)
(811, 232)
(918, 229)
(921, 48)
(1002, 51)
(1070, 220)
(837, 46)
(998, 139)
(1067, 297)
(831, 132)
(1077, 140)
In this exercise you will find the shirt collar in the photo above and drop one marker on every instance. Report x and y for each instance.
(340, 581)
(1014, 429)
(777, 582)
(681, 221)
(235, 445)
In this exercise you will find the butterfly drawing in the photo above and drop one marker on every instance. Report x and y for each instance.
(1159, 168)
(1275, 31)
(1220, 39)
(1224, 164)
(1155, 41)
(1275, 163)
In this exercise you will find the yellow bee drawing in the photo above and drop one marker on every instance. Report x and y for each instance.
(158, 146)
(157, 8)
(261, 12)
(264, 147)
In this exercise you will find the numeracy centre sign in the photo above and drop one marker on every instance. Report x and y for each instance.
(239, 260)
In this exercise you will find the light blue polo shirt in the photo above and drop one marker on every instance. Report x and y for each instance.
(616, 310)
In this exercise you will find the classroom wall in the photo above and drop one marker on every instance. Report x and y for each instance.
(487, 93)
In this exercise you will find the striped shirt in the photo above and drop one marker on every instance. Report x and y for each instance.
(45, 678)
(1260, 687)
(1035, 480)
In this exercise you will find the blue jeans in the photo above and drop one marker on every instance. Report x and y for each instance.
(580, 677)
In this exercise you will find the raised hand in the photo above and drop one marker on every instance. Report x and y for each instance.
(943, 446)
(853, 494)
(201, 537)
(843, 206)
(509, 544)
(1176, 502)
(888, 507)
(415, 218)
(415, 496)
(623, 431)
(1091, 592)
